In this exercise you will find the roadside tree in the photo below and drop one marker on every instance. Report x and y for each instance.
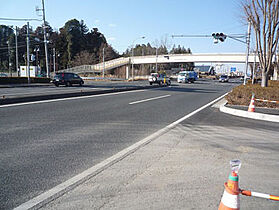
(264, 16)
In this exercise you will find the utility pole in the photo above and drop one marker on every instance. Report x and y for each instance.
(133, 63)
(45, 38)
(142, 53)
(247, 52)
(54, 60)
(103, 62)
(9, 54)
(17, 70)
(156, 60)
(28, 54)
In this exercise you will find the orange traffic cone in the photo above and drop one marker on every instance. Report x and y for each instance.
(252, 104)
(230, 199)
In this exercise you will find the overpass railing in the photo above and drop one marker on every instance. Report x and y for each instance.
(98, 68)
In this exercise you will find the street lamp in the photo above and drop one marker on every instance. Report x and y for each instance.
(133, 55)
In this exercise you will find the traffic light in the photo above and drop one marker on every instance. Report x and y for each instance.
(222, 37)
(219, 36)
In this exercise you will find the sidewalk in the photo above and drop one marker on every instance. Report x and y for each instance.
(185, 168)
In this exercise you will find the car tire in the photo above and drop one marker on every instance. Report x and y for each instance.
(150, 83)
(56, 84)
(68, 84)
(160, 83)
(80, 83)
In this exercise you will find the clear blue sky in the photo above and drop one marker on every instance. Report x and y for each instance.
(124, 21)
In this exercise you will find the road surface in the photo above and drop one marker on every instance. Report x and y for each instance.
(44, 144)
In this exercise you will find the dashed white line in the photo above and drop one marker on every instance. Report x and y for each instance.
(149, 99)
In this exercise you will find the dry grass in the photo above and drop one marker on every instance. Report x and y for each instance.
(241, 95)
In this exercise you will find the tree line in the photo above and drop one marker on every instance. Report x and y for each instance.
(74, 45)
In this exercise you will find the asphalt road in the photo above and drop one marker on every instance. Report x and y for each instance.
(45, 144)
(186, 167)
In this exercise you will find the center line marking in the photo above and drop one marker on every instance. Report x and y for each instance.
(149, 99)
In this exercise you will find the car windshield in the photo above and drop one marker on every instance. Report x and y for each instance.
(182, 74)
(58, 76)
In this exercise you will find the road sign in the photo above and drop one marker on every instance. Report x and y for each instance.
(233, 69)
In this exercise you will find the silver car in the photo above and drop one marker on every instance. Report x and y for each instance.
(224, 78)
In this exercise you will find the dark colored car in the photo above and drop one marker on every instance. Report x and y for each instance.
(67, 79)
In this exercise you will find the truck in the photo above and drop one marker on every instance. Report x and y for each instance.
(187, 77)
(160, 79)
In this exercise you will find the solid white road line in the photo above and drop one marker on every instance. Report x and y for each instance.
(68, 185)
(149, 99)
(66, 99)
(77, 90)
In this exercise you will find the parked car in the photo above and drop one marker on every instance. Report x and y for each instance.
(224, 78)
(160, 79)
(67, 79)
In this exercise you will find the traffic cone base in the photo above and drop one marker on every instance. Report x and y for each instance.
(230, 200)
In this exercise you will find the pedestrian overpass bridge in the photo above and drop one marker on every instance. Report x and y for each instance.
(161, 59)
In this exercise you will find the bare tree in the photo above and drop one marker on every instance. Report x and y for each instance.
(84, 58)
(264, 16)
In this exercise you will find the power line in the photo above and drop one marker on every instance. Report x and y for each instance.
(33, 44)
(20, 19)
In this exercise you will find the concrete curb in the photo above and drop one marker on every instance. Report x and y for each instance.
(251, 115)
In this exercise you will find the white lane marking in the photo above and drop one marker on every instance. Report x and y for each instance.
(66, 99)
(53, 91)
(70, 184)
(149, 99)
